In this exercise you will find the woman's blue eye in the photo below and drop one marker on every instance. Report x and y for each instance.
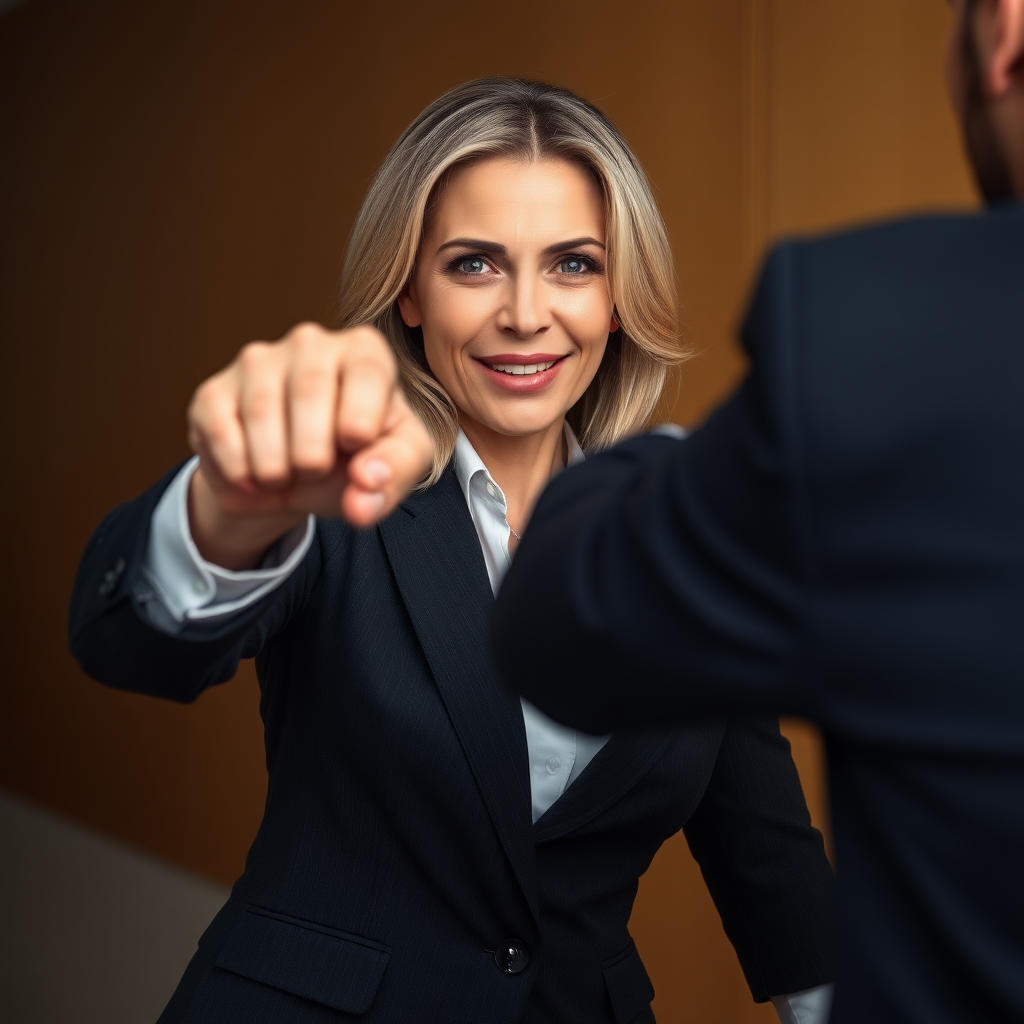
(573, 265)
(472, 265)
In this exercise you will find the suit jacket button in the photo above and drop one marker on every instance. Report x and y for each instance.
(111, 576)
(512, 957)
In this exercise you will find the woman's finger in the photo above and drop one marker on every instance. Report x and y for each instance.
(312, 396)
(368, 382)
(215, 431)
(262, 371)
(383, 473)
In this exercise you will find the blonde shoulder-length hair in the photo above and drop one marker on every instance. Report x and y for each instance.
(529, 120)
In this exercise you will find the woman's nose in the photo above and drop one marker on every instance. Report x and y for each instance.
(525, 310)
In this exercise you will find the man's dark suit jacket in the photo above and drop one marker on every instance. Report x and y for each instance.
(397, 863)
(842, 540)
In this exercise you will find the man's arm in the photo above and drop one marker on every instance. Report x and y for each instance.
(664, 578)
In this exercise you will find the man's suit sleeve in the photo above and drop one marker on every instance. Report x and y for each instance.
(113, 638)
(664, 579)
(764, 863)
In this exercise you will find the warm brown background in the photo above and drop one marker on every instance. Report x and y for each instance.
(179, 177)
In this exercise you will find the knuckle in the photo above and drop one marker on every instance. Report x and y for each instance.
(305, 336)
(368, 341)
(220, 433)
(204, 397)
(253, 356)
(209, 413)
(364, 334)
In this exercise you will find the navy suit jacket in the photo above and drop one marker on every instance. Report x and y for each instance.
(842, 540)
(397, 854)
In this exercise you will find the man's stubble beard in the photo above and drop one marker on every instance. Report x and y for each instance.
(988, 161)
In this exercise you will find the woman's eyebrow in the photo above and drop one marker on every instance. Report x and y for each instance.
(478, 244)
(498, 249)
(572, 243)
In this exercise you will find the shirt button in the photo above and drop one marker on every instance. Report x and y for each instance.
(199, 585)
(491, 491)
(552, 764)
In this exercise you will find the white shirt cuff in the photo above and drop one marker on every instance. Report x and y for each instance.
(811, 1006)
(182, 587)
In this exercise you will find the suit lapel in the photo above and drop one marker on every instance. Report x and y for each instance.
(618, 766)
(435, 556)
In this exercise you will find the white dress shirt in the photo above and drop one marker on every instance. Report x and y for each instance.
(178, 587)
(557, 754)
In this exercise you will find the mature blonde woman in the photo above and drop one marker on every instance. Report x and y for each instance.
(433, 850)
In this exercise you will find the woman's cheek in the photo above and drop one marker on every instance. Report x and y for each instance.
(589, 317)
(438, 351)
(592, 336)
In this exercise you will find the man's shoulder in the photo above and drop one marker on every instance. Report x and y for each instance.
(925, 270)
(913, 241)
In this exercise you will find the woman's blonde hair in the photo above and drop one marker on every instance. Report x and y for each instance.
(511, 117)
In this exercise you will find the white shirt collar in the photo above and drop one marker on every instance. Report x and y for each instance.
(468, 463)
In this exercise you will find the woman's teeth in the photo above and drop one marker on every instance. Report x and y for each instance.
(520, 370)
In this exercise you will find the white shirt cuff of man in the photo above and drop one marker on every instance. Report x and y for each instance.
(811, 1006)
(178, 586)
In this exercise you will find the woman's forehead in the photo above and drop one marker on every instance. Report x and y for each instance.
(508, 200)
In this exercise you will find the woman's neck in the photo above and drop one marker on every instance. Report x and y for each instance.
(521, 464)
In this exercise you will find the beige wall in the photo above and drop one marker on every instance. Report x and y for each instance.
(179, 178)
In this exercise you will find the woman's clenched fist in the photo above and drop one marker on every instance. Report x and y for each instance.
(315, 422)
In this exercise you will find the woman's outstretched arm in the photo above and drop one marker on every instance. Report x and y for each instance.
(315, 424)
(117, 639)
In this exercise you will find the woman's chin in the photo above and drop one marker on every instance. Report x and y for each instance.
(520, 422)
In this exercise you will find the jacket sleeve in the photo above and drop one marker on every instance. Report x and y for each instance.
(115, 642)
(764, 863)
(672, 568)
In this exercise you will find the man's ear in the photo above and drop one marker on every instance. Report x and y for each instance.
(999, 32)
(409, 306)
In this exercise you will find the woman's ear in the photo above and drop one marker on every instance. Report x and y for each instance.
(614, 324)
(409, 307)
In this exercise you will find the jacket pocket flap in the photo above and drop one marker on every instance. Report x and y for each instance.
(328, 966)
(629, 988)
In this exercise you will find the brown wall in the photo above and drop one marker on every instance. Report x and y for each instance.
(179, 178)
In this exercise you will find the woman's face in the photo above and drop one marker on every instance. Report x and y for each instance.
(511, 292)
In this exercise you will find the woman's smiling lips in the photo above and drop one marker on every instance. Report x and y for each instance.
(520, 373)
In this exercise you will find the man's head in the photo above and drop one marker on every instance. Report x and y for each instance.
(985, 76)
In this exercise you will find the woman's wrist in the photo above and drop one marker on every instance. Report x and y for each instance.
(234, 542)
